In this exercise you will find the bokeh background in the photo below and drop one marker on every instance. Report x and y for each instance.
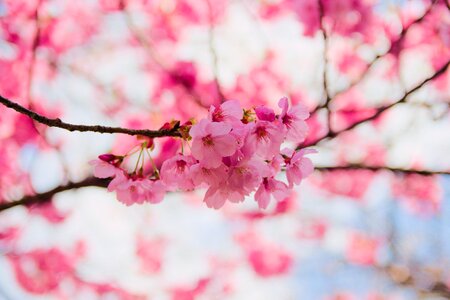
(372, 222)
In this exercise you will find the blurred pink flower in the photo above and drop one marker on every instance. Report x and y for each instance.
(269, 260)
(362, 250)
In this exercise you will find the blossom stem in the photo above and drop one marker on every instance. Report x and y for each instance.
(153, 163)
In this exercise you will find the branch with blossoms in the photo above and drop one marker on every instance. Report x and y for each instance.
(45, 197)
(233, 153)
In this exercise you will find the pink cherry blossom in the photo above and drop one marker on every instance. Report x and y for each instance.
(231, 155)
(210, 176)
(103, 169)
(42, 270)
(297, 165)
(265, 139)
(264, 113)
(140, 190)
(268, 188)
(175, 172)
(119, 179)
(217, 195)
(211, 142)
(246, 175)
(229, 111)
(294, 120)
(242, 178)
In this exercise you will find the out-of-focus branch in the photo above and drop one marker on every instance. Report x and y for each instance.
(47, 196)
(402, 276)
(86, 128)
(30, 77)
(396, 43)
(97, 182)
(33, 50)
(147, 45)
(325, 64)
(381, 109)
(380, 168)
(212, 49)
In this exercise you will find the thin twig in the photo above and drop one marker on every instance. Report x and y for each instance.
(366, 72)
(86, 128)
(381, 168)
(325, 65)
(33, 50)
(96, 182)
(212, 49)
(380, 110)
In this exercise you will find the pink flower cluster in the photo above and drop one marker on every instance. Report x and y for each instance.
(233, 153)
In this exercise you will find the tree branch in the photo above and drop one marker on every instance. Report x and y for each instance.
(103, 183)
(325, 65)
(212, 49)
(436, 289)
(33, 50)
(394, 44)
(380, 168)
(380, 110)
(86, 128)
(47, 196)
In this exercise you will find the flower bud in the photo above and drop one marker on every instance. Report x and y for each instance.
(107, 157)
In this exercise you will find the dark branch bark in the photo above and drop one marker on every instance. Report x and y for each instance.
(86, 128)
(97, 182)
(47, 196)
(380, 110)
(381, 168)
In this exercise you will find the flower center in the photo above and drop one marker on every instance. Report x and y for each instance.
(181, 164)
(208, 141)
(287, 120)
(261, 132)
(217, 115)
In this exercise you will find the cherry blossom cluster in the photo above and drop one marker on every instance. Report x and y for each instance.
(233, 152)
